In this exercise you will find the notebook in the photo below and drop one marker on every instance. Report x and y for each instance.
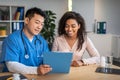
(59, 61)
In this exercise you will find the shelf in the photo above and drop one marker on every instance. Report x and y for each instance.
(11, 21)
(3, 36)
(12, 17)
(4, 21)
(17, 21)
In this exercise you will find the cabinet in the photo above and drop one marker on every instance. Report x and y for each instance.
(11, 19)
(102, 42)
(116, 47)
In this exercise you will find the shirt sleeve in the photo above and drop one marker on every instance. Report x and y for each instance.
(20, 68)
(54, 46)
(92, 51)
(10, 50)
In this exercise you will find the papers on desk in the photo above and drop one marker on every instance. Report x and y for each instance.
(108, 70)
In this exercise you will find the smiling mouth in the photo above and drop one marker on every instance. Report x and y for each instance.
(69, 32)
(37, 31)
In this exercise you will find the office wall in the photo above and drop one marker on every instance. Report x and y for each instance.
(109, 11)
(86, 9)
(57, 6)
(101, 10)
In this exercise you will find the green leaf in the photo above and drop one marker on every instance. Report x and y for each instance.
(48, 31)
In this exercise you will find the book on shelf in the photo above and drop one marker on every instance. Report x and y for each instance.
(19, 14)
(17, 25)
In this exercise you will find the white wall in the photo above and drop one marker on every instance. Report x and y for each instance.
(100, 10)
(116, 46)
(86, 9)
(102, 42)
(109, 11)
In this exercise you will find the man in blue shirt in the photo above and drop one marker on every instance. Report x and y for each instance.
(22, 50)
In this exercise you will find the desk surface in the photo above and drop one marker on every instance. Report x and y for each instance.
(76, 73)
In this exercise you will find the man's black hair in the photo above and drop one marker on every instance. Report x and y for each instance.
(30, 13)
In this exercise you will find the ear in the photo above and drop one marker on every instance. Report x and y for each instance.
(79, 26)
(26, 20)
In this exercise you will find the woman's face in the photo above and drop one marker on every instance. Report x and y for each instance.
(71, 27)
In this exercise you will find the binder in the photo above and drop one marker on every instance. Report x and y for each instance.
(17, 26)
(101, 27)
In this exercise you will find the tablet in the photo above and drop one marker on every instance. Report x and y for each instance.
(108, 70)
(59, 61)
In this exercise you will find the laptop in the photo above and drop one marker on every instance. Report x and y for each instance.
(59, 61)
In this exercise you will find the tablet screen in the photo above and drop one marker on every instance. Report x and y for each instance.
(59, 61)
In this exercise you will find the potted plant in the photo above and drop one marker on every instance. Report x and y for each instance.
(48, 31)
(2, 30)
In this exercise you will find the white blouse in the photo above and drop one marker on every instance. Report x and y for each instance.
(60, 44)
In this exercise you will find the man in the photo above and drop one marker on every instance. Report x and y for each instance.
(22, 50)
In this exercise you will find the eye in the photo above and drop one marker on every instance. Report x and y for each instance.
(73, 25)
(41, 23)
(37, 22)
(66, 26)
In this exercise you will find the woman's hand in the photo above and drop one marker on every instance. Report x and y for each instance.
(76, 63)
(43, 69)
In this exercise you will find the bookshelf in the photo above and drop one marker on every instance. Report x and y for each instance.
(11, 19)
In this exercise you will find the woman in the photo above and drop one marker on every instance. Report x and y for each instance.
(73, 38)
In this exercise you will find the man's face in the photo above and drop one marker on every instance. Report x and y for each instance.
(34, 25)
